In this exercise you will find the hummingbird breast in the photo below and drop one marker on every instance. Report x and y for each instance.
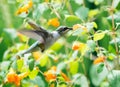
(51, 39)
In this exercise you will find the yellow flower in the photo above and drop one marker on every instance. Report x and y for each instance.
(36, 86)
(77, 26)
(36, 55)
(54, 22)
(25, 8)
(46, 0)
(23, 75)
(99, 60)
(30, 4)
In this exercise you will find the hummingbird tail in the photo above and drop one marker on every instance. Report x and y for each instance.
(32, 48)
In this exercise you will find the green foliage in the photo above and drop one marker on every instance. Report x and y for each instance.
(92, 62)
(114, 78)
(70, 20)
(100, 68)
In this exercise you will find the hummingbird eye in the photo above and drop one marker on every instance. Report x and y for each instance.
(63, 29)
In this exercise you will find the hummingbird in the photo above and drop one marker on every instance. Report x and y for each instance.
(44, 38)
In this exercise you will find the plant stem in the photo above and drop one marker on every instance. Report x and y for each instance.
(54, 11)
(68, 5)
(116, 60)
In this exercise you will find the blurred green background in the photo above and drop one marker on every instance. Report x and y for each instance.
(95, 15)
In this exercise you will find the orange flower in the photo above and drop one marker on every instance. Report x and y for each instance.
(12, 77)
(99, 60)
(76, 46)
(54, 22)
(65, 77)
(25, 8)
(50, 75)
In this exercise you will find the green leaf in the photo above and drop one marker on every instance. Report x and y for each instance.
(62, 85)
(70, 20)
(91, 45)
(25, 69)
(9, 85)
(111, 56)
(77, 32)
(115, 40)
(12, 1)
(31, 63)
(11, 32)
(114, 78)
(97, 78)
(20, 63)
(95, 25)
(116, 17)
(20, 1)
(80, 80)
(74, 67)
(92, 13)
(61, 66)
(84, 48)
(105, 84)
(60, 78)
(97, 2)
(41, 8)
(57, 45)
(115, 3)
(100, 68)
(39, 81)
(89, 26)
(98, 36)
(4, 65)
(79, 2)
(2, 76)
(82, 13)
(33, 73)
(14, 65)
(44, 60)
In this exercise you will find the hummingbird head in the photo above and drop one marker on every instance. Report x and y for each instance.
(63, 30)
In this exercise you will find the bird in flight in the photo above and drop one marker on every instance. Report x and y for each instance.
(44, 39)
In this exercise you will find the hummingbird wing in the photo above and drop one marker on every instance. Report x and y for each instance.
(36, 27)
(34, 34)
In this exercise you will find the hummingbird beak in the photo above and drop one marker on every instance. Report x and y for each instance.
(67, 29)
(70, 28)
